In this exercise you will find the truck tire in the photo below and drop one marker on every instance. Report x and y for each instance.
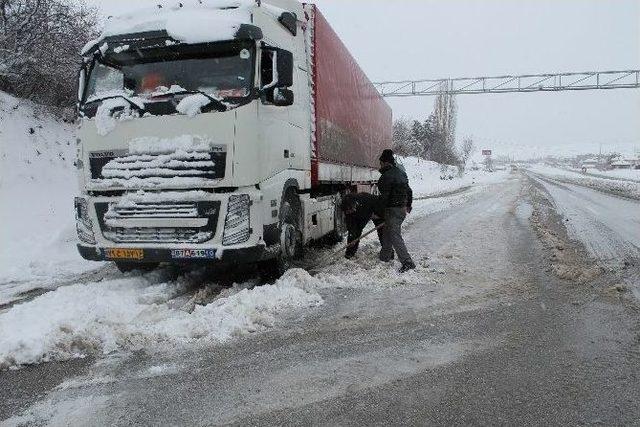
(291, 227)
(126, 267)
(290, 239)
(339, 223)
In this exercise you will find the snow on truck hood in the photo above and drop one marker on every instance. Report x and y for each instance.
(186, 21)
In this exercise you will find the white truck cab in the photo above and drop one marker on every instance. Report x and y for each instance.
(196, 137)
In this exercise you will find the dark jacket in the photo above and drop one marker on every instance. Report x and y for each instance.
(394, 188)
(365, 205)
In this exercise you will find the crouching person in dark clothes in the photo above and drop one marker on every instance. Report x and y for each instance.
(396, 197)
(358, 210)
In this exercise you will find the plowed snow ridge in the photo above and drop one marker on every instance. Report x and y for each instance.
(132, 313)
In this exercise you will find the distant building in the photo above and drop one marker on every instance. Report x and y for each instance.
(634, 161)
(621, 164)
(589, 164)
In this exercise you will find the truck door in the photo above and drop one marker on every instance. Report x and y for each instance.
(275, 126)
(299, 119)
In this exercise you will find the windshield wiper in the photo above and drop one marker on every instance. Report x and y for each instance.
(214, 104)
(132, 103)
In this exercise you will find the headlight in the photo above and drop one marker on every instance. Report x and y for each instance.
(84, 225)
(237, 225)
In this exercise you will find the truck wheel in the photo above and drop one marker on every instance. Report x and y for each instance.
(126, 267)
(290, 228)
(339, 223)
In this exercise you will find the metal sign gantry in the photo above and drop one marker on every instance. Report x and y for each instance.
(589, 80)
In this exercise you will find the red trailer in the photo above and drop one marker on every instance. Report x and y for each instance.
(353, 123)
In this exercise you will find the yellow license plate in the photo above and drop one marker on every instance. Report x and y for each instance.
(117, 253)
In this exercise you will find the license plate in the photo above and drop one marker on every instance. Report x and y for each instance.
(118, 253)
(193, 254)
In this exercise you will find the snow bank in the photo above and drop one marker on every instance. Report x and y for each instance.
(612, 185)
(37, 185)
(133, 313)
(425, 177)
(623, 174)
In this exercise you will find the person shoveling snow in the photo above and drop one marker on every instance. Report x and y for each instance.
(359, 209)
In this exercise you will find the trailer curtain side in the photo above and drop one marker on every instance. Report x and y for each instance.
(353, 121)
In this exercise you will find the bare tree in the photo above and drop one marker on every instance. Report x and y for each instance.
(442, 124)
(468, 148)
(403, 141)
(39, 45)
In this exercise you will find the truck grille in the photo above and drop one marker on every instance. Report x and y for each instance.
(157, 235)
(185, 222)
(150, 166)
(154, 210)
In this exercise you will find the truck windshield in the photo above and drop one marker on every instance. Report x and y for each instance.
(160, 74)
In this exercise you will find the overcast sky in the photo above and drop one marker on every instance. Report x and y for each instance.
(422, 39)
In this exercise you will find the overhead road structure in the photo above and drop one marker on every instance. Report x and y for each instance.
(589, 80)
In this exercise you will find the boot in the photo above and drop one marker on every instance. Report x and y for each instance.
(406, 267)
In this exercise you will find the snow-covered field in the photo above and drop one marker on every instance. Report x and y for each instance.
(611, 185)
(426, 176)
(632, 174)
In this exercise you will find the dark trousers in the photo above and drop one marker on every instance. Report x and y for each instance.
(392, 240)
(355, 231)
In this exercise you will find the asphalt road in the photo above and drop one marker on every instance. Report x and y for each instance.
(607, 225)
(491, 337)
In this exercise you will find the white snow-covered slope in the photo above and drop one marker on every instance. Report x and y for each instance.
(425, 177)
(37, 186)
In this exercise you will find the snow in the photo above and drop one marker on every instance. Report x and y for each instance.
(192, 105)
(425, 177)
(193, 22)
(37, 185)
(624, 187)
(607, 225)
(131, 199)
(630, 174)
(107, 120)
(135, 313)
(154, 161)
(181, 144)
(121, 49)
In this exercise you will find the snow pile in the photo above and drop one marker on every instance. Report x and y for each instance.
(619, 187)
(37, 185)
(188, 21)
(134, 313)
(152, 161)
(107, 116)
(192, 105)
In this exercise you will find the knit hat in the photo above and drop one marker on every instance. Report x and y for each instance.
(387, 157)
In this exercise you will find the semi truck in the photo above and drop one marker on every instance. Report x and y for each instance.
(221, 131)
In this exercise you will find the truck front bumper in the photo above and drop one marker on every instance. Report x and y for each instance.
(175, 256)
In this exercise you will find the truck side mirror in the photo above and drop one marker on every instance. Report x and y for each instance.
(284, 60)
(277, 68)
